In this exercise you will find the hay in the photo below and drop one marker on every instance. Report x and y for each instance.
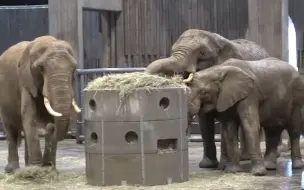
(127, 83)
(213, 180)
(33, 174)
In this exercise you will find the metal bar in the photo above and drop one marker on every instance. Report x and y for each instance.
(79, 118)
(108, 70)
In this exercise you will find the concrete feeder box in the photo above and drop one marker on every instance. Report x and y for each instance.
(142, 141)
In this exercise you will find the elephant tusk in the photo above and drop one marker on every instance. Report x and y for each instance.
(189, 79)
(76, 108)
(50, 109)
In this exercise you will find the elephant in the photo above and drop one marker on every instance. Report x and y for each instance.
(196, 50)
(251, 94)
(37, 94)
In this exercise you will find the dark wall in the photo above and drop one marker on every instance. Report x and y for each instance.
(23, 2)
(22, 23)
(149, 27)
(28, 22)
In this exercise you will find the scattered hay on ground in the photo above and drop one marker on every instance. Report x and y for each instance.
(45, 178)
(33, 174)
(127, 83)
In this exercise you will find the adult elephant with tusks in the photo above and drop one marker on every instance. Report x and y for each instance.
(197, 50)
(36, 81)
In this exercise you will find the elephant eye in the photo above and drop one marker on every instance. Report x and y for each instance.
(202, 53)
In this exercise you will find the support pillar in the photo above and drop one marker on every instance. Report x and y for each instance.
(268, 26)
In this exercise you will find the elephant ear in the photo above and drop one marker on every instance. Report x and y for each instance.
(226, 49)
(29, 56)
(235, 85)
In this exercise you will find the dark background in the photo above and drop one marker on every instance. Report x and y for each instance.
(23, 2)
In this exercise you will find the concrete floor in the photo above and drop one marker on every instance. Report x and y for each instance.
(71, 156)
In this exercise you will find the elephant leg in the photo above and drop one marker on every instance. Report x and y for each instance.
(272, 138)
(33, 145)
(244, 153)
(294, 137)
(25, 152)
(206, 122)
(230, 140)
(296, 157)
(284, 147)
(49, 156)
(29, 122)
(250, 121)
(12, 133)
(224, 155)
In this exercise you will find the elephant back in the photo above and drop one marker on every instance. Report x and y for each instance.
(250, 50)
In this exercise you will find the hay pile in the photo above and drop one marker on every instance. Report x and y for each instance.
(127, 83)
(34, 174)
(46, 178)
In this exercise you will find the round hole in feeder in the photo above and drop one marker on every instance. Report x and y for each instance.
(92, 104)
(164, 103)
(94, 137)
(131, 137)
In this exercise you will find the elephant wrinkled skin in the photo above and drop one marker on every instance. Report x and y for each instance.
(37, 96)
(251, 94)
(199, 49)
(196, 50)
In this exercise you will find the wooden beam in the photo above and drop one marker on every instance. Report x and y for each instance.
(106, 38)
(63, 21)
(106, 5)
(268, 26)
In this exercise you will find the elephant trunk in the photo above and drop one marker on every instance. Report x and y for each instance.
(61, 102)
(62, 126)
(183, 59)
(165, 65)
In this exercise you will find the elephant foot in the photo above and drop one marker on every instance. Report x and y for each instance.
(258, 170)
(233, 168)
(11, 167)
(245, 156)
(297, 163)
(222, 164)
(47, 164)
(208, 163)
(270, 165)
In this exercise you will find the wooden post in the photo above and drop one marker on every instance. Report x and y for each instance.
(268, 26)
(106, 37)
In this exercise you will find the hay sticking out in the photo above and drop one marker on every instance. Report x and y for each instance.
(210, 180)
(34, 174)
(127, 83)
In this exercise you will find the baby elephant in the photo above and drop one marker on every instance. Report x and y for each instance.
(267, 92)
